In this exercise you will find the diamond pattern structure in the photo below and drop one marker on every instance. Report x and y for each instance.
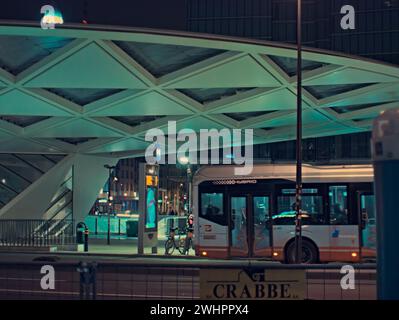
(20, 52)
(97, 90)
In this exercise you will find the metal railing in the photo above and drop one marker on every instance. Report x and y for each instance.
(36, 233)
(162, 279)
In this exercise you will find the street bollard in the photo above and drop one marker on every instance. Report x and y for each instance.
(86, 239)
(385, 149)
(82, 236)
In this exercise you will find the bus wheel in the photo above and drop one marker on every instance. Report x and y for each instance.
(309, 252)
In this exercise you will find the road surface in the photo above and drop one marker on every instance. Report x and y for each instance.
(121, 277)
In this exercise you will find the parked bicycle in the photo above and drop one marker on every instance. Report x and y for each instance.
(171, 243)
(183, 243)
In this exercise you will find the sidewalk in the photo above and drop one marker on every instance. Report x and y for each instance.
(123, 245)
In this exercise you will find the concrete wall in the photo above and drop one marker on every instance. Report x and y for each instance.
(89, 176)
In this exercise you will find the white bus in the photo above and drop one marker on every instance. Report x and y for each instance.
(253, 216)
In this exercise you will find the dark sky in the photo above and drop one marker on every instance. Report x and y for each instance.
(165, 14)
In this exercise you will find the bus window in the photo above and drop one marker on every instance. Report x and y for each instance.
(212, 208)
(338, 205)
(312, 210)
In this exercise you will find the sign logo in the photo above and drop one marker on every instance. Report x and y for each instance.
(176, 145)
(47, 282)
(348, 280)
(50, 18)
(231, 284)
(348, 20)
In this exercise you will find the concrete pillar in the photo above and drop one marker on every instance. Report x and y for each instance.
(385, 149)
(89, 176)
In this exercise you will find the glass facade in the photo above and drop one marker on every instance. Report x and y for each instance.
(18, 171)
(376, 36)
(340, 148)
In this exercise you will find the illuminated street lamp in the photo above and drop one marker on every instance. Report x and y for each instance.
(110, 198)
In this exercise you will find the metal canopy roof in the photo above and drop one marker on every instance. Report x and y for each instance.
(97, 90)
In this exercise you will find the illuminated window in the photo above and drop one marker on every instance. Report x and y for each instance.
(312, 208)
(212, 208)
(338, 196)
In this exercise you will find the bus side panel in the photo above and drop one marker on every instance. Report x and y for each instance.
(212, 239)
(344, 243)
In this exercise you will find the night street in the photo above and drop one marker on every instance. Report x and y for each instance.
(211, 157)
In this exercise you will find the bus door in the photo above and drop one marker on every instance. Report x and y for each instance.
(262, 226)
(343, 235)
(250, 226)
(367, 227)
(239, 246)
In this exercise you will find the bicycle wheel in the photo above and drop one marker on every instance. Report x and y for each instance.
(169, 247)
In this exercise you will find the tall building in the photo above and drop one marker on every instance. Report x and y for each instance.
(376, 36)
(125, 188)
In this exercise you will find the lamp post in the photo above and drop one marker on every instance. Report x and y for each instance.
(188, 188)
(110, 168)
(298, 193)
